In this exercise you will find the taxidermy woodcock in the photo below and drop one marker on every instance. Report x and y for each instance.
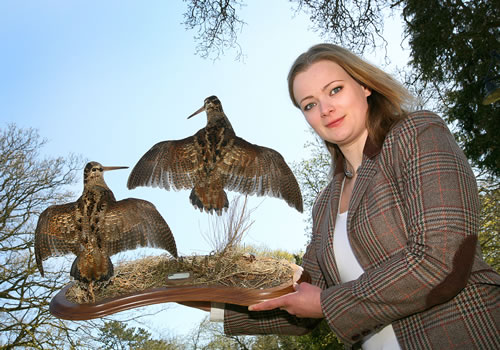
(215, 159)
(97, 226)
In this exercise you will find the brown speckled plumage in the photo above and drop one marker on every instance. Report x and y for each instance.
(97, 226)
(215, 159)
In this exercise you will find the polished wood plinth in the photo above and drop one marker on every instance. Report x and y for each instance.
(62, 308)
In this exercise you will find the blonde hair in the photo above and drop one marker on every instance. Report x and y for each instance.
(388, 100)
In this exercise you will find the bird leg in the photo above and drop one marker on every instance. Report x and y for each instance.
(91, 291)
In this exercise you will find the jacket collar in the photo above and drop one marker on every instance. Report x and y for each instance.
(370, 150)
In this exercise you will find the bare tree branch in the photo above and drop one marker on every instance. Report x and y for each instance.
(357, 24)
(218, 26)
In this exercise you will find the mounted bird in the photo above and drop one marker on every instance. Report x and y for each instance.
(213, 160)
(97, 226)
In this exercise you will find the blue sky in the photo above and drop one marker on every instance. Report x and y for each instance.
(108, 79)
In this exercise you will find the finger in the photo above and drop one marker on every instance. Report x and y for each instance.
(269, 304)
(266, 305)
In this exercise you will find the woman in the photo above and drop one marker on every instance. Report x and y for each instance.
(394, 256)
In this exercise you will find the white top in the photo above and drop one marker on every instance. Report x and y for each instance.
(347, 264)
(350, 269)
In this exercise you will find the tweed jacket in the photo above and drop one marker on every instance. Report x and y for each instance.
(412, 224)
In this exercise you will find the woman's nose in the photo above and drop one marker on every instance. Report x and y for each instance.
(326, 107)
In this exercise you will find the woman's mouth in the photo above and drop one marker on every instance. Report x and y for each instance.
(335, 123)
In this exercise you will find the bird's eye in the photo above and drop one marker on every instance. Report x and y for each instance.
(94, 170)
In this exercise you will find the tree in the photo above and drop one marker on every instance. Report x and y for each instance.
(114, 335)
(27, 185)
(321, 338)
(356, 25)
(451, 43)
(313, 174)
(489, 233)
(210, 335)
(218, 24)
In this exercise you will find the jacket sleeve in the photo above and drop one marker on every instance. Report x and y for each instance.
(238, 320)
(440, 211)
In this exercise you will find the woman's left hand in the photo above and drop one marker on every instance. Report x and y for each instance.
(304, 302)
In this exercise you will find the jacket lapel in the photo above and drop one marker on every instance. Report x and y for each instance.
(366, 173)
(327, 228)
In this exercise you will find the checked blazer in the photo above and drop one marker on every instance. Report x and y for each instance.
(412, 224)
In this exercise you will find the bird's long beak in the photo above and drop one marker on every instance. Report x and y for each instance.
(107, 168)
(197, 112)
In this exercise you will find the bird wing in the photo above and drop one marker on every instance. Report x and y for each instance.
(56, 233)
(132, 223)
(253, 169)
(167, 164)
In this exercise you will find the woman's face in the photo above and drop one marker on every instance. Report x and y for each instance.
(334, 104)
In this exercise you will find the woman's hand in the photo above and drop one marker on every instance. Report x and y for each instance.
(304, 302)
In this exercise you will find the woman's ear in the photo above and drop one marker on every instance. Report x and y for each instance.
(367, 91)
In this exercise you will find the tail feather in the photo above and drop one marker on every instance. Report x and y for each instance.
(209, 200)
(92, 270)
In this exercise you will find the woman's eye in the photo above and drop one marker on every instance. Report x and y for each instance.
(335, 90)
(308, 106)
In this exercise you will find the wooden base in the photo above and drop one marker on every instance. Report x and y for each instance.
(62, 308)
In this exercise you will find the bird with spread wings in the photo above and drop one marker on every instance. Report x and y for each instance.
(98, 226)
(213, 160)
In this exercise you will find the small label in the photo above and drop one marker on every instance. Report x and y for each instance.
(179, 276)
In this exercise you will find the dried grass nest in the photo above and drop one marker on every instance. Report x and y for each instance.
(233, 269)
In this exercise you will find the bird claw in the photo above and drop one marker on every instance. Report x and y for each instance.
(91, 292)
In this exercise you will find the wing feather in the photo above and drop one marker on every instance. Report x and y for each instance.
(253, 169)
(132, 223)
(56, 233)
(168, 164)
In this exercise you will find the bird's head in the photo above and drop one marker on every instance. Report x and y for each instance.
(94, 172)
(211, 104)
